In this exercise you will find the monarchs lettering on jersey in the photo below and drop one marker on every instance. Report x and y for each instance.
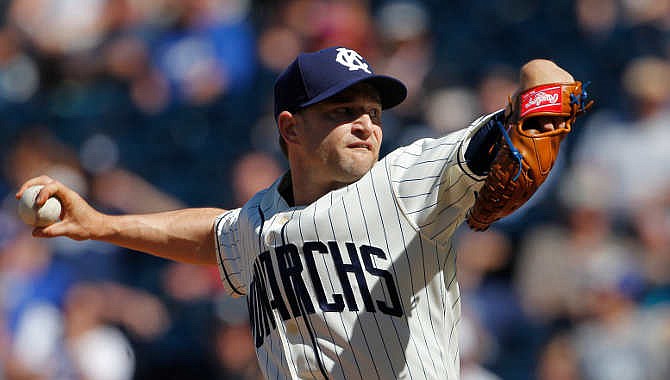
(265, 294)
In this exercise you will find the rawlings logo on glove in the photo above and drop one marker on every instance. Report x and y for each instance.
(526, 153)
(534, 100)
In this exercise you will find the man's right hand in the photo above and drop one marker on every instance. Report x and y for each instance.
(79, 220)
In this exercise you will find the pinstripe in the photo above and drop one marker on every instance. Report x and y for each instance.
(416, 179)
(436, 203)
(452, 204)
(421, 163)
(322, 369)
(332, 339)
(430, 315)
(332, 228)
(440, 145)
(281, 324)
(261, 214)
(410, 266)
(381, 219)
(453, 328)
(407, 152)
(317, 351)
(415, 195)
(437, 184)
(453, 277)
(430, 191)
(351, 235)
(367, 231)
(456, 301)
(225, 270)
(444, 285)
(303, 314)
(302, 337)
(423, 263)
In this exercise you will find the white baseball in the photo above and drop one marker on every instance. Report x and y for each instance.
(48, 214)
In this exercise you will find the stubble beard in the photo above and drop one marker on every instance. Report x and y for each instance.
(353, 166)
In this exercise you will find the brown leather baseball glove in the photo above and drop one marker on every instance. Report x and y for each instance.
(537, 119)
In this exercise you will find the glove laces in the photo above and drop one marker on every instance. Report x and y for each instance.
(513, 149)
(580, 99)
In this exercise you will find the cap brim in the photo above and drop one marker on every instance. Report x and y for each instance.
(391, 91)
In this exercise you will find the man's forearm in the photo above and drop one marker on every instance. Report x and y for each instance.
(181, 235)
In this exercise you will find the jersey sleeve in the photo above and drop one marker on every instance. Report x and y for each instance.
(433, 184)
(228, 252)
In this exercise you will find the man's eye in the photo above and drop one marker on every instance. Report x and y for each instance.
(376, 116)
(341, 114)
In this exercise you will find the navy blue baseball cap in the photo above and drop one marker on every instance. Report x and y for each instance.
(315, 77)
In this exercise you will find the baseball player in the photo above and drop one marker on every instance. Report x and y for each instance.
(347, 262)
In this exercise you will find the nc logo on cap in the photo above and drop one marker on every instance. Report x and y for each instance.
(352, 60)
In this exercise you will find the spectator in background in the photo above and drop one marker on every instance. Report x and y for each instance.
(558, 360)
(601, 49)
(406, 42)
(76, 28)
(492, 87)
(209, 52)
(253, 172)
(148, 85)
(633, 151)
(33, 288)
(95, 348)
(19, 76)
(553, 257)
(484, 259)
(233, 343)
(651, 224)
(586, 278)
(473, 345)
(619, 340)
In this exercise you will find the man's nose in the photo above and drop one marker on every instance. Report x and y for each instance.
(362, 127)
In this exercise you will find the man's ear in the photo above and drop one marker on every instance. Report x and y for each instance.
(286, 123)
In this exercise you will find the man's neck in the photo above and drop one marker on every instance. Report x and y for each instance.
(285, 189)
(300, 190)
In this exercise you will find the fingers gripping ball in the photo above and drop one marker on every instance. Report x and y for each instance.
(525, 158)
(43, 216)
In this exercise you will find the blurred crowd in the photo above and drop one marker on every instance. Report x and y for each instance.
(152, 105)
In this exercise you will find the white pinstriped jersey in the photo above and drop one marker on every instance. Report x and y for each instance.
(360, 284)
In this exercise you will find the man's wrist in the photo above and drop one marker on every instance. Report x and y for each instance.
(483, 146)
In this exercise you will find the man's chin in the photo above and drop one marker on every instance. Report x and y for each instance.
(357, 169)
